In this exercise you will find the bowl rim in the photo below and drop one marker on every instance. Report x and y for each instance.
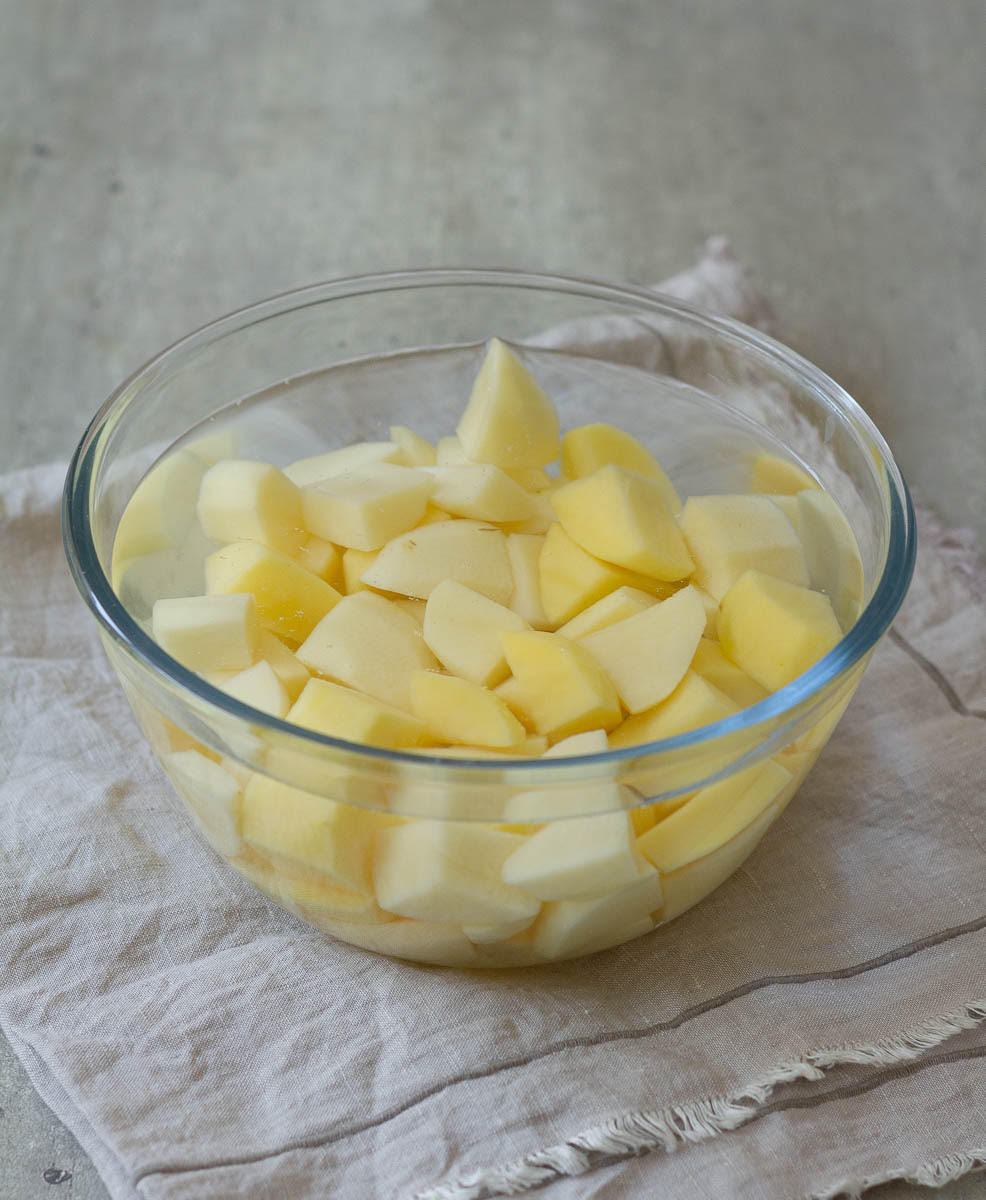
(875, 619)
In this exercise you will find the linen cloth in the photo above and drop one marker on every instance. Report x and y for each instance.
(816, 1026)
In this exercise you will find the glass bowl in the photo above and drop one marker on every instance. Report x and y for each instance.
(318, 823)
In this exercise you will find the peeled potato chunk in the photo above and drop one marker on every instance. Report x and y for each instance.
(568, 927)
(161, 512)
(647, 655)
(831, 554)
(311, 470)
(730, 534)
(212, 795)
(509, 421)
(242, 500)
(370, 644)
(771, 473)
(471, 552)
(354, 563)
(693, 703)
(624, 517)
(433, 869)
(261, 688)
(415, 450)
(321, 558)
(524, 553)
(341, 712)
(481, 491)
(290, 600)
(617, 606)
(287, 667)
(563, 688)
(712, 663)
(462, 629)
(589, 447)
(456, 710)
(575, 858)
(208, 633)
(774, 630)
(366, 507)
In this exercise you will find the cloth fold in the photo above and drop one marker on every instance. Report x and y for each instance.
(815, 1027)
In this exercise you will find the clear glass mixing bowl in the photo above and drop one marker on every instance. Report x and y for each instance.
(340, 362)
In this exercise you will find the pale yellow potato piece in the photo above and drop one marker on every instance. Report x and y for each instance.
(646, 655)
(462, 629)
(711, 611)
(449, 452)
(413, 608)
(730, 534)
(512, 693)
(290, 600)
(321, 558)
(212, 795)
(563, 687)
(791, 509)
(416, 451)
(448, 870)
(366, 507)
(624, 517)
(532, 479)
(533, 746)
(576, 858)
(172, 572)
(433, 515)
(689, 884)
(617, 606)
(713, 816)
(524, 553)
(208, 633)
(315, 899)
(161, 512)
(771, 473)
(774, 630)
(541, 518)
(571, 579)
(307, 471)
(831, 554)
(486, 935)
(480, 491)
(354, 563)
(472, 552)
(290, 670)
(569, 927)
(341, 712)
(261, 688)
(509, 421)
(458, 711)
(304, 828)
(589, 447)
(369, 644)
(693, 703)
(243, 500)
(712, 663)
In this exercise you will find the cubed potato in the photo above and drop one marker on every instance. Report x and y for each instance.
(540, 519)
(416, 451)
(569, 927)
(440, 870)
(831, 554)
(162, 575)
(480, 491)
(575, 858)
(307, 471)
(369, 644)
(290, 600)
(524, 553)
(243, 500)
(212, 795)
(791, 509)
(617, 606)
(532, 479)
(509, 421)
(712, 663)
(713, 816)
(728, 535)
(413, 608)
(161, 512)
(711, 612)
(571, 579)
(449, 452)
(774, 630)
(693, 703)
(771, 473)
(487, 935)
(433, 515)
(458, 711)
(261, 688)
(563, 687)
(589, 447)
(354, 563)
(471, 552)
(315, 899)
(646, 655)
(341, 712)
(310, 830)
(597, 794)
(462, 629)
(624, 517)
(321, 558)
(512, 693)
(289, 669)
(366, 507)
(208, 633)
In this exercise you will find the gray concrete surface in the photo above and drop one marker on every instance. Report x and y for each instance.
(161, 163)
